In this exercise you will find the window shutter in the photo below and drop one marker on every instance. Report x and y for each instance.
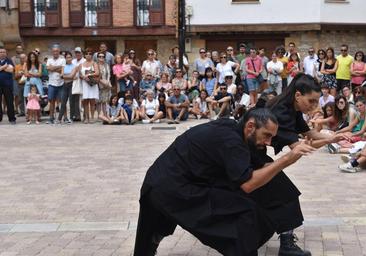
(53, 13)
(25, 13)
(156, 13)
(77, 13)
(104, 14)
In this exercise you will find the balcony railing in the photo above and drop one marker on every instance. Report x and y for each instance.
(91, 11)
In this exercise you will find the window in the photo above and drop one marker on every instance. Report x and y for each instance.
(149, 12)
(39, 13)
(98, 13)
(46, 13)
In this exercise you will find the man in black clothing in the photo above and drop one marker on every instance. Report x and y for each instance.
(6, 85)
(203, 183)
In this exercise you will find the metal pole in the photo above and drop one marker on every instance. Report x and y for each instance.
(181, 30)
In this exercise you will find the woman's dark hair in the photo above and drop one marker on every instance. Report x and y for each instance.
(161, 95)
(204, 92)
(360, 52)
(68, 53)
(111, 100)
(294, 54)
(321, 51)
(328, 105)
(260, 115)
(333, 55)
(339, 114)
(33, 86)
(208, 69)
(305, 84)
(121, 94)
(360, 99)
(280, 49)
(29, 62)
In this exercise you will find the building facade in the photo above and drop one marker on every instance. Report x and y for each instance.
(269, 23)
(122, 24)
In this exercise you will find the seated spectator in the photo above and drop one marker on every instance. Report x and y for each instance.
(162, 108)
(200, 108)
(357, 163)
(177, 106)
(163, 85)
(194, 86)
(147, 83)
(113, 112)
(220, 104)
(326, 97)
(241, 102)
(150, 109)
(171, 67)
(346, 91)
(209, 82)
(129, 111)
(264, 98)
(121, 100)
(180, 81)
(231, 87)
(328, 121)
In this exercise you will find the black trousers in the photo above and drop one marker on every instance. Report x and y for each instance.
(66, 94)
(6, 90)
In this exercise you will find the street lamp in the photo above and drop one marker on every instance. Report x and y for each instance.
(181, 30)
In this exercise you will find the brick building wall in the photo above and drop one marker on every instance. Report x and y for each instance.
(123, 13)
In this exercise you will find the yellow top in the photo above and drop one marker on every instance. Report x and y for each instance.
(344, 67)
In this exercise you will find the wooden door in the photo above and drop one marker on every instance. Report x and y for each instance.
(140, 47)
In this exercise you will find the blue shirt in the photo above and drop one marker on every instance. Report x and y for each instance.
(68, 68)
(209, 85)
(146, 84)
(181, 99)
(6, 76)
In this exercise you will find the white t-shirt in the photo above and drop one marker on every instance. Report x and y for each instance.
(322, 102)
(231, 88)
(225, 70)
(152, 67)
(276, 67)
(202, 105)
(309, 64)
(150, 106)
(54, 78)
(245, 100)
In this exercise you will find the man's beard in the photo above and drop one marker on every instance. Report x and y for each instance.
(252, 142)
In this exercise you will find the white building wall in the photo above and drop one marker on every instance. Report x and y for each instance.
(210, 12)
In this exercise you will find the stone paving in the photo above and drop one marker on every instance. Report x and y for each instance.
(74, 189)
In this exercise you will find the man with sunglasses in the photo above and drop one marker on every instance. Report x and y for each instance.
(309, 62)
(177, 106)
(109, 58)
(343, 73)
(220, 104)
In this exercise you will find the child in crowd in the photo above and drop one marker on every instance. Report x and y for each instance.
(33, 106)
(126, 67)
(130, 113)
(114, 113)
(328, 121)
(200, 108)
(162, 108)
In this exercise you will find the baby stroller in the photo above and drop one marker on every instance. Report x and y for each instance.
(44, 100)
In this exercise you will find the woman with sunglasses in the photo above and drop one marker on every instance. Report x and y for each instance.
(281, 197)
(136, 71)
(201, 63)
(318, 66)
(358, 70)
(225, 67)
(104, 84)
(150, 65)
(329, 69)
(89, 74)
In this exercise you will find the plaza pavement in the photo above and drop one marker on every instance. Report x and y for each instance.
(74, 189)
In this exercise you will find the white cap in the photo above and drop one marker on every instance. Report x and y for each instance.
(77, 49)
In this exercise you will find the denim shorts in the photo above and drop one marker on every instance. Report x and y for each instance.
(253, 84)
(176, 114)
(54, 92)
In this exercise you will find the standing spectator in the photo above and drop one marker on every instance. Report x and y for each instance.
(215, 58)
(280, 51)
(201, 63)
(75, 96)
(150, 109)
(109, 58)
(329, 69)
(292, 49)
(18, 51)
(242, 55)
(209, 83)
(231, 55)
(225, 67)
(132, 56)
(6, 85)
(68, 74)
(136, 72)
(104, 84)
(180, 81)
(89, 72)
(177, 106)
(171, 67)
(326, 97)
(253, 66)
(309, 62)
(175, 51)
(343, 73)
(55, 82)
(275, 69)
(293, 67)
(122, 71)
(150, 65)
(163, 85)
(318, 65)
(19, 80)
(33, 106)
(220, 104)
(358, 70)
(264, 73)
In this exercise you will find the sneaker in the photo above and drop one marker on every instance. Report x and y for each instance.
(37, 122)
(171, 122)
(145, 121)
(29, 122)
(346, 158)
(157, 121)
(50, 121)
(176, 121)
(333, 148)
(199, 117)
(347, 167)
(57, 122)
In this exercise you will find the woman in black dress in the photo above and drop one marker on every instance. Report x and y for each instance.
(280, 196)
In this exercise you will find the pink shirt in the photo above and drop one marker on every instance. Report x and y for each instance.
(117, 69)
(257, 64)
(358, 67)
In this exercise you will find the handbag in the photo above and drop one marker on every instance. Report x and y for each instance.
(76, 87)
(104, 84)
